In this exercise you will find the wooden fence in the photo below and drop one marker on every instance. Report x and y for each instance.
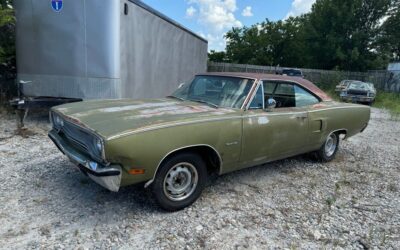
(382, 79)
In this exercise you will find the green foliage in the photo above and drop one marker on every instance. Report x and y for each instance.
(337, 34)
(7, 32)
(391, 29)
(390, 101)
(268, 43)
(7, 51)
(214, 56)
(343, 34)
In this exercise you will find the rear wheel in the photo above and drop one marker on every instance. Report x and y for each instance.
(180, 181)
(329, 149)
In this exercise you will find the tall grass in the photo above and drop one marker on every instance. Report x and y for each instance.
(390, 101)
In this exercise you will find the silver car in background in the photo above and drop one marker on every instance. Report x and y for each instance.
(357, 92)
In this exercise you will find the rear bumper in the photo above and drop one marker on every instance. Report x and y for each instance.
(106, 176)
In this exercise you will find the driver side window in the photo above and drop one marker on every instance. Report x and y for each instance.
(288, 95)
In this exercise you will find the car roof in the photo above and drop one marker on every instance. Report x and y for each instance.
(300, 81)
(288, 69)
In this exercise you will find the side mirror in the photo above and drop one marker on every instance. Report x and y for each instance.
(271, 103)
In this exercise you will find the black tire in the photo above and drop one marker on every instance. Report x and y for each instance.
(325, 155)
(178, 167)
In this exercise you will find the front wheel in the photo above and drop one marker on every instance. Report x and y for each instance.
(329, 149)
(180, 181)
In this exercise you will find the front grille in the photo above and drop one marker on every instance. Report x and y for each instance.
(357, 92)
(78, 137)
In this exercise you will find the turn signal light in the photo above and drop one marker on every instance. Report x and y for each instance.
(136, 171)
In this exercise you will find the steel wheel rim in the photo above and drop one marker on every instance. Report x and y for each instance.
(180, 182)
(330, 145)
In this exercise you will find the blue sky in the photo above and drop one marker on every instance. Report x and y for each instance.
(213, 18)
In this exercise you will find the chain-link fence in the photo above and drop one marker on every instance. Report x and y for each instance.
(382, 79)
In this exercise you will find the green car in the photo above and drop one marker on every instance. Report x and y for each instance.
(218, 123)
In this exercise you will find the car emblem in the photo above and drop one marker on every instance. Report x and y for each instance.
(57, 5)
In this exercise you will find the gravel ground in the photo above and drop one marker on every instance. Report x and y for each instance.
(351, 202)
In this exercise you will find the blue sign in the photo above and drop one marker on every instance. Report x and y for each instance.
(57, 5)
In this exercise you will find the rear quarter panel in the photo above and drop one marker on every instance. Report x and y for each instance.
(337, 116)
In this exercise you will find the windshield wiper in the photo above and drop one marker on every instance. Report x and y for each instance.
(175, 97)
(205, 102)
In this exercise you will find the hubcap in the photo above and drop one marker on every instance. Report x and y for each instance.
(180, 181)
(330, 145)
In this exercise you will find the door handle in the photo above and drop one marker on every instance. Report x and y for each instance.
(302, 116)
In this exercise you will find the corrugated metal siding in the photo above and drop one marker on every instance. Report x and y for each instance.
(79, 52)
(156, 55)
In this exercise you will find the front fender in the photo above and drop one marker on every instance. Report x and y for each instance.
(146, 150)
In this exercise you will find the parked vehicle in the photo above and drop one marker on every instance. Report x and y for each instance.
(292, 72)
(343, 85)
(358, 92)
(219, 122)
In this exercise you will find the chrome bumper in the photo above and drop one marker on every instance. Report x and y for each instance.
(355, 98)
(106, 176)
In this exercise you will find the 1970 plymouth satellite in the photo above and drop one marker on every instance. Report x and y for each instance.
(220, 122)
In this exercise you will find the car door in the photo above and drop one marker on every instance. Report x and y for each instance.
(277, 133)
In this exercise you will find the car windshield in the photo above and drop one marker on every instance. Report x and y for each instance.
(359, 86)
(345, 82)
(370, 85)
(216, 91)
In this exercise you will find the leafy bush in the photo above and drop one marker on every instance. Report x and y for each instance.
(7, 52)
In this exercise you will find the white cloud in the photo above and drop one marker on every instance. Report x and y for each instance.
(191, 11)
(247, 12)
(300, 7)
(216, 17)
(216, 42)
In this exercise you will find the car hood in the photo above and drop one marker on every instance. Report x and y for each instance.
(113, 118)
(360, 88)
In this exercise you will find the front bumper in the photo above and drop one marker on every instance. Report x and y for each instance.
(106, 176)
(355, 98)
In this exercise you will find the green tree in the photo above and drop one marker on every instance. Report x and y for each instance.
(7, 32)
(392, 31)
(217, 56)
(268, 43)
(336, 34)
(345, 34)
(7, 49)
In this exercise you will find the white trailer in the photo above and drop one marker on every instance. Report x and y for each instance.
(92, 49)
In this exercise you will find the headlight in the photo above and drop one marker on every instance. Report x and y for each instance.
(57, 121)
(99, 145)
(99, 148)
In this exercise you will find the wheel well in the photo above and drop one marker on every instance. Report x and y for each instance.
(342, 132)
(207, 153)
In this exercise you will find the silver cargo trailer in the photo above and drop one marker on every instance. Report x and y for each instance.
(90, 49)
